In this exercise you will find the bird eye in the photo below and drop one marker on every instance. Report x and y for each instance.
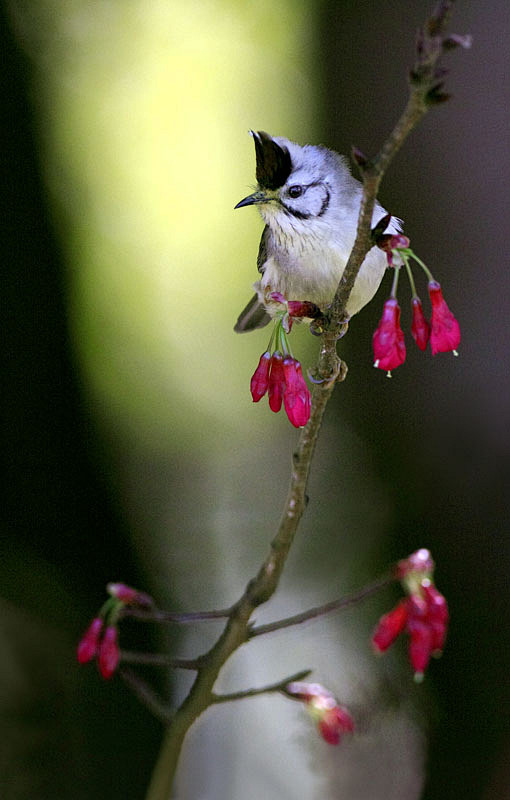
(295, 191)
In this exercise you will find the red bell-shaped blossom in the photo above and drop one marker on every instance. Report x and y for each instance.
(423, 614)
(296, 397)
(108, 654)
(438, 616)
(388, 340)
(276, 382)
(420, 328)
(444, 328)
(390, 626)
(88, 644)
(260, 379)
(335, 722)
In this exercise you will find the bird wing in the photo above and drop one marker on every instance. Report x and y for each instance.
(255, 315)
(262, 254)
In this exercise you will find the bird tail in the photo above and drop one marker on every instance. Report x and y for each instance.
(252, 317)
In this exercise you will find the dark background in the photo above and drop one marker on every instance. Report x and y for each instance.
(61, 512)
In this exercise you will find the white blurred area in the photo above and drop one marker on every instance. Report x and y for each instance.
(145, 109)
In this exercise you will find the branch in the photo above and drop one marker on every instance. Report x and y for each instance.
(425, 91)
(326, 608)
(146, 695)
(159, 660)
(272, 687)
(156, 615)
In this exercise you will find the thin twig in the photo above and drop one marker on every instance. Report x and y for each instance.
(326, 608)
(157, 615)
(146, 695)
(279, 686)
(159, 660)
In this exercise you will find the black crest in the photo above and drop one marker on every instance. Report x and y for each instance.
(273, 162)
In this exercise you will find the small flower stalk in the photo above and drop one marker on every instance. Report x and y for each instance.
(101, 639)
(333, 720)
(279, 374)
(422, 614)
(443, 330)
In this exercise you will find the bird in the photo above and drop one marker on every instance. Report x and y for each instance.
(309, 202)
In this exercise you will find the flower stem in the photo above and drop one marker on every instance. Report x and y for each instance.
(326, 608)
(394, 285)
(409, 274)
(422, 265)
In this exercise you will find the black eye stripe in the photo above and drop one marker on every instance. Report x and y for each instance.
(294, 213)
(325, 204)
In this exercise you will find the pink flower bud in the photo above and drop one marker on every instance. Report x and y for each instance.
(122, 592)
(302, 690)
(260, 378)
(87, 647)
(388, 339)
(303, 309)
(420, 328)
(392, 241)
(108, 654)
(296, 397)
(418, 562)
(276, 382)
(390, 626)
(332, 719)
(444, 328)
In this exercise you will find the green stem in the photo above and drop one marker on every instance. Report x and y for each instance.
(409, 274)
(422, 265)
(395, 282)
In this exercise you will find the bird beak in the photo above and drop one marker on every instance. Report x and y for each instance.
(256, 197)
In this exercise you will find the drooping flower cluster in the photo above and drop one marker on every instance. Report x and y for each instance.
(443, 331)
(101, 639)
(423, 614)
(333, 720)
(279, 374)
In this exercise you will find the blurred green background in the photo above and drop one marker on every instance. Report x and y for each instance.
(132, 447)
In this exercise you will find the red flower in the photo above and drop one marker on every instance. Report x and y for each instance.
(437, 614)
(296, 397)
(390, 626)
(445, 330)
(108, 653)
(420, 328)
(88, 644)
(260, 378)
(122, 592)
(276, 382)
(423, 614)
(388, 340)
(333, 720)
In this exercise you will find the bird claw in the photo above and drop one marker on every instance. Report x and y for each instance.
(338, 375)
